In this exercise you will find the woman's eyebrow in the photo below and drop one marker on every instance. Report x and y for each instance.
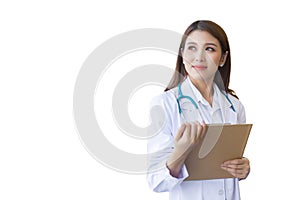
(211, 43)
(208, 43)
(192, 43)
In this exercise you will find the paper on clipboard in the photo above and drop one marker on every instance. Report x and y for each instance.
(221, 143)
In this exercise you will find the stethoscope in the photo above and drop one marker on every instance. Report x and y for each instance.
(181, 96)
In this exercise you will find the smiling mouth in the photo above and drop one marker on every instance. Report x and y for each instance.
(200, 67)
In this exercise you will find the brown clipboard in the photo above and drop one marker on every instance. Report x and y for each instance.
(221, 143)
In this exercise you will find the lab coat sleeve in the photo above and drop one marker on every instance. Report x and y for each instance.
(240, 110)
(241, 115)
(160, 146)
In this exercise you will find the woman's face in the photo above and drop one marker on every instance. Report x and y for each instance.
(202, 55)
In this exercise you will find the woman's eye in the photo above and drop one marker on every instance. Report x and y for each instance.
(192, 48)
(209, 49)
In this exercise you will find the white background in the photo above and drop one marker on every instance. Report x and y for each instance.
(44, 44)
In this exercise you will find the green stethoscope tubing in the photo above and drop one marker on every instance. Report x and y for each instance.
(181, 96)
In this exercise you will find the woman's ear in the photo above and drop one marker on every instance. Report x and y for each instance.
(223, 59)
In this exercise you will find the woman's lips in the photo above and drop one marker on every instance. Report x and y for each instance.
(200, 67)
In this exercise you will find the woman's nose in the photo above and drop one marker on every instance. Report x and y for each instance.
(200, 56)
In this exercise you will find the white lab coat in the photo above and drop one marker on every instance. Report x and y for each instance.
(161, 145)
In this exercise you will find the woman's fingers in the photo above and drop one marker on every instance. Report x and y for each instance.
(239, 168)
(204, 129)
(238, 173)
(199, 131)
(180, 132)
(189, 134)
(195, 132)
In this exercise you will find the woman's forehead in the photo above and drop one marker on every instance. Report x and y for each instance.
(199, 37)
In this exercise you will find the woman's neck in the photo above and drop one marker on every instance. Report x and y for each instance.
(205, 87)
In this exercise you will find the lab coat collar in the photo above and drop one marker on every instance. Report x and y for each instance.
(220, 101)
(218, 96)
(197, 94)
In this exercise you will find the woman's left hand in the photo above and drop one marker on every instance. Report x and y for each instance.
(239, 168)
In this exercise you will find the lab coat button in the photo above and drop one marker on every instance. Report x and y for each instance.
(221, 192)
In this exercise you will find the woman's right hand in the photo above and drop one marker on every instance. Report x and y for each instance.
(187, 137)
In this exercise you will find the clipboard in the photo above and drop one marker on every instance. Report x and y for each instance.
(221, 143)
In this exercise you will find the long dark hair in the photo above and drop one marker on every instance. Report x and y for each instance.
(216, 31)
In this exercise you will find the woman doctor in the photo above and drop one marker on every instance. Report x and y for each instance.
(202, 73)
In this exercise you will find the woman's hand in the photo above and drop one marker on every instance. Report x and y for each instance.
(239, 168)
(187, 137)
